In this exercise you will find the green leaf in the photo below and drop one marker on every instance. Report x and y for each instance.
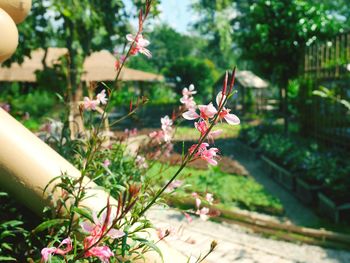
(7, 259)
(6, 246)
(150, 245)
(2, 194)
(6, 233)
(47, 224)
(345, 103)
(84, 213)
(319, 93)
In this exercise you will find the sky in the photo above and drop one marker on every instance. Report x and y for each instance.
(176, 13)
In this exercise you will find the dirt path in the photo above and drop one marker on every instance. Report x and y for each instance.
(236, 244)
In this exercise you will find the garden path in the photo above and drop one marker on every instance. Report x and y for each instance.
(235, 243)
(295, 211)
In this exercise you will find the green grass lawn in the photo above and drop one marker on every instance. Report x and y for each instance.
(190, 133)
(230, 189)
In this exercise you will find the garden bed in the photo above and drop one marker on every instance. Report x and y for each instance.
(230, 190)
(307, 192)
(337, 212)
(278, 173)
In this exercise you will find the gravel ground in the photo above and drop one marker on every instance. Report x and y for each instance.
(235, 243)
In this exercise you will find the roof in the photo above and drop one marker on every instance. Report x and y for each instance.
(99, 66)
(248, 79)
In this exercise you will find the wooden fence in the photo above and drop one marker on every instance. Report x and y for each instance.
(328, 64)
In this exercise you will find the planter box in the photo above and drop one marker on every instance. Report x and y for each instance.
(278, 173)
(335, 212)
(246, 151)
(307, 193)
(268, 166)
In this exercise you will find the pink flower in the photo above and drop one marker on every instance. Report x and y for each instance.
(102, 252)
(209, 155)
(100, 225)
(203, 213)
(189, 92)
(198, 203)
(106, 163)
(157, 135)
(225, 113)
(166, 123)
(189, 102)
(203, 147)
(97, 230)
(47, 252)
(174, 185)
(102, 97)
(207, 111)
(191, 114)
(209, 197)
(90, 104)
(195, 195)
(139, 46)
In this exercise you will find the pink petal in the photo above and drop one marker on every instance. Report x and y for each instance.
(219, 97)
(47, 252)
(198, 202)
(115, 234)
(232, 119)
(87, 226)
(216, 133)
(146, 52)
(190, 115)
(130, 37)
(212, 162)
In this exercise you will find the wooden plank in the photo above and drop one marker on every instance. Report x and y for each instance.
(269, 224)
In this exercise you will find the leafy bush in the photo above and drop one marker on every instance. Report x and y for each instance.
(276, 146)
(158, 93)
(14, 222)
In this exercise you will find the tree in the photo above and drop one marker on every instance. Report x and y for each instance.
(214, 23)
(191, 70)
(274, 33)
(167, 46)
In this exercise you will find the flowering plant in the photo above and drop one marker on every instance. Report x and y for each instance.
(73, 232)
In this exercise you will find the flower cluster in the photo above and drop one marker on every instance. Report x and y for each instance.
(91, 104)
(187, 97)
(203, 152)
(100, 227)
(204, 212)
(139, 45)
(166, 133)
(93, 247)
(46, 253)
(207, 117)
